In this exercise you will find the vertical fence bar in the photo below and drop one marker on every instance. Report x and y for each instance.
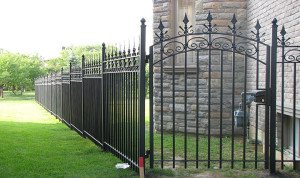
(282, 104)
(161, 106)
(209, 92)
(294, 117)
(173, 102)
(136, 117)
(130, 112)
(197, 111)
(221, 108)
(151, 106)
(267, 109)
(256, 135)
(185, 21)
(245, 110)
(233, 98)
(273, 98)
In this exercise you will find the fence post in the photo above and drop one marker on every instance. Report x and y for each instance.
(102, 98)
(273, 99)
(47, 88)
(82, 90)
(56, 95)
(142, 96)
(70, 103)
(44, 91)
(61, 96)
(50, 107)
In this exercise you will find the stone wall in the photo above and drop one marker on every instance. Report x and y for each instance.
(247, 12)
(287, 13)
(222, 13)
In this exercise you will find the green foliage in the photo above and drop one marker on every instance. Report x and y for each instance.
(18, 71)
(71, 54)
(74, 53)
(55, 64)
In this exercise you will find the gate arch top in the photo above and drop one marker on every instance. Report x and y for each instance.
(209, 38)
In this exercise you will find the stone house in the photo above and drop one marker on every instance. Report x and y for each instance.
(247, 12)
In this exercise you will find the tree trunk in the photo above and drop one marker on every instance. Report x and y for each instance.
(14, 89)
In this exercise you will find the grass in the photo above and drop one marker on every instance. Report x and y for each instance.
(203, 171)
(34, 144)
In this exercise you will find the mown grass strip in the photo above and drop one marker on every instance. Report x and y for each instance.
(35, 144)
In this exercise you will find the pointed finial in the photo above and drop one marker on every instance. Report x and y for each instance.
(274, 20)
(257, 26)
(283, 32)
(234, 20)
(161, 26)
(128, 51)
(209, 17)
(143, 21)
(185, 20)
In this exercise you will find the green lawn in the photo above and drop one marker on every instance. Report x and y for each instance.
(35, 144)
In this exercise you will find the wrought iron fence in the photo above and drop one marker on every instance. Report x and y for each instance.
(103, 100)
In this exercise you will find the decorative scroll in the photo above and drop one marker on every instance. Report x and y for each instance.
(222, 43)
(292, 55)
(209, 38)
(246, 48)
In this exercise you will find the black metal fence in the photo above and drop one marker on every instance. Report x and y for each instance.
(103, 99)
(287, 100)
(197, 80)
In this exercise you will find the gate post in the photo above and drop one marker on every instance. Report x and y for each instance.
(273, 98)
(142, 96)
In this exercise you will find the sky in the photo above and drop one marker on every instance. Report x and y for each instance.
(44, 26)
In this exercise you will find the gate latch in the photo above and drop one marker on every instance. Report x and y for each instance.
(260, 97)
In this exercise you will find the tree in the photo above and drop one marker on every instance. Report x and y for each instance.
(54, 64)
(18, 71)
(74, 53)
